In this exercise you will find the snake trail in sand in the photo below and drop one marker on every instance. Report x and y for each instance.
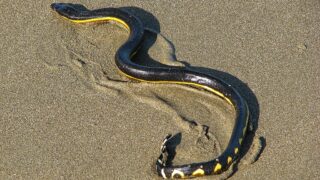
(170, 74)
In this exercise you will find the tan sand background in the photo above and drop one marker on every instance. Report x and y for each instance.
(66, 113)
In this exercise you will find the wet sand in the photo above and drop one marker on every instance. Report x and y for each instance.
(67, 113)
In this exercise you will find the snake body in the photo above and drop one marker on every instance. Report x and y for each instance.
(177, 75)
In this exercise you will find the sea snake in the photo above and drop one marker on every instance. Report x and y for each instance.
(170, 74)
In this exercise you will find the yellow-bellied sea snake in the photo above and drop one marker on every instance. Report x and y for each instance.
(177, 75)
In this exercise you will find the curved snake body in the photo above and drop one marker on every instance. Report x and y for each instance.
(170, 74)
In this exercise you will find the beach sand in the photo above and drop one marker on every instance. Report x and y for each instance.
(67, 113)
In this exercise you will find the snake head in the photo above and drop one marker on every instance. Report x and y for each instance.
(67, 9)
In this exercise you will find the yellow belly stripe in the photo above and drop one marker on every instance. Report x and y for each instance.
(217, 168)
(240, 141)
(229, 160)
(177, 172)
(183, 83)
(198, 172)
(236, 150)
(102, 19)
